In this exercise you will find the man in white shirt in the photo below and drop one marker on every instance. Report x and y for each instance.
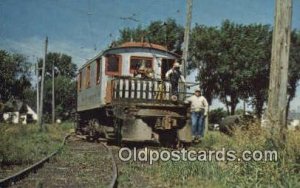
(174, 75)
(199, 110)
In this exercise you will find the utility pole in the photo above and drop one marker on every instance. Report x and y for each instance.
(187, 36)
(53, 95)
(244, 107)
(277, 101)
(42, 87)
(37, 90)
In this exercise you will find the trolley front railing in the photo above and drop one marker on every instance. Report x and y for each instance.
(128, 89)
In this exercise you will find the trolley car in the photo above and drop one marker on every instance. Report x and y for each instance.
(114, 103)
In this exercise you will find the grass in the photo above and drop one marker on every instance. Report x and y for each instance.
(283, 173)
(24, 144)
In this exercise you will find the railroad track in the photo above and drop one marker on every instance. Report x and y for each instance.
(81, 164)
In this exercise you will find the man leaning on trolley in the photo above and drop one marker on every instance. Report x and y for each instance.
(199, 110)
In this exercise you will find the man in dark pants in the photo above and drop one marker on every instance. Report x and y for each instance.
(174, 75)
(199, 108)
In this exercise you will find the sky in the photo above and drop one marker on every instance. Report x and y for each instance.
(82, 28)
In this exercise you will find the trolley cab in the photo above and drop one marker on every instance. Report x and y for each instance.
(123, 94)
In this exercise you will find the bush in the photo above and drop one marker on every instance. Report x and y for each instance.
(282, 173)
(24, 144)
(216, 115)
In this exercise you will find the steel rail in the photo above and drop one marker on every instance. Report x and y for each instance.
(114, 180)
(32, 168)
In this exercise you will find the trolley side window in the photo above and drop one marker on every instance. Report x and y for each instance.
(137, 62)
(88, 76)
(98, 71)
(113, 65)
(79, 81)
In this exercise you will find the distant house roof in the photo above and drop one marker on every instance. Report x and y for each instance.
(15, 105)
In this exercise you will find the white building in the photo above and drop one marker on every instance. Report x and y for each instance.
(18, 112)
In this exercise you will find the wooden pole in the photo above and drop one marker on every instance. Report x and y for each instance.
(37, 91)
(53, 95)
(42, 87)
(244, 107)
(182, 87)
(187, 36)
(277, 99)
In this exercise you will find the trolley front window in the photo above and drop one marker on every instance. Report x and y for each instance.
(113, 65)
(138, 62)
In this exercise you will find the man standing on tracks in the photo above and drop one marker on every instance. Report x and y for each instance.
(199, 109)
(174, 75)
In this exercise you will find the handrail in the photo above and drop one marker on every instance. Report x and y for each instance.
(131, 89)
(154, 79)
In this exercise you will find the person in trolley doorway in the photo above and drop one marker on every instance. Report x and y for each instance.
(174, 75)
(199, 110)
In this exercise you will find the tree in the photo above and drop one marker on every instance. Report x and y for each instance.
(62, 63)
(65, 85)
(204, 53)
(216, 116)
(65, 97)
(131, 34)
(294, 67)
(257, 69)
(168, 33)
(233, 61)
(14, 75)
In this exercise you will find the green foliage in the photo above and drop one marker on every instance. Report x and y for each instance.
(65, 96)
(63, 65)
(24, 144)
(233, 62)
(14, 76)
(216, 115)
(168, 33)
(1, 107)
(131, 34)
(283, 173)
(65, 85)
(16, 82)
(204, 54)
(30, 97)
(294, 65)
(239, 111)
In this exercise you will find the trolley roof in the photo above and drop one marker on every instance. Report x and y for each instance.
(126, 45)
